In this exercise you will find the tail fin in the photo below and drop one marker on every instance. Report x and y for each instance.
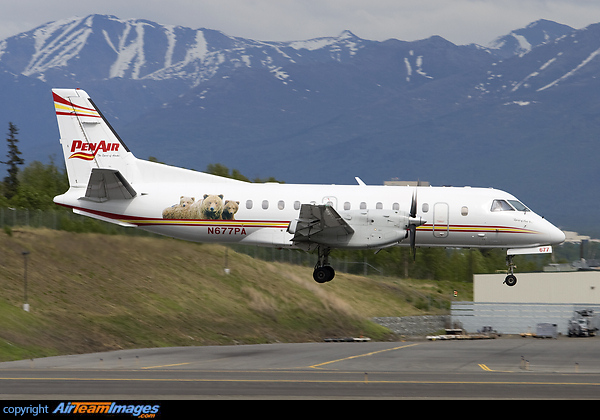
(88, 141)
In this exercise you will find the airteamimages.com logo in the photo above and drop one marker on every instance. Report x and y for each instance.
(142, 411)
(91, 408)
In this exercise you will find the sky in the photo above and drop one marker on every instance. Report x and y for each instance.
(458, 21)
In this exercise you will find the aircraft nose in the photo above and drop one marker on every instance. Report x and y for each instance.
(559, 236)
(554, 235)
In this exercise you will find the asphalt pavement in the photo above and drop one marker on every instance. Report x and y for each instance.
(505, 368)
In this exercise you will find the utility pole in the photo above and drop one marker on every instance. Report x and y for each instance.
(25, 305)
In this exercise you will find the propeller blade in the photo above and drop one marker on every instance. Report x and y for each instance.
(413, 239)
(413, 205)
(412, 227)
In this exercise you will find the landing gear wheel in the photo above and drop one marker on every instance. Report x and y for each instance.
(510, 280)
(324, 274)
(323, 271)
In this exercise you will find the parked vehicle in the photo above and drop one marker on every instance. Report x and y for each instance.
(583, 324)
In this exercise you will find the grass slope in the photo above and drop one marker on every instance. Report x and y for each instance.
(92, 292)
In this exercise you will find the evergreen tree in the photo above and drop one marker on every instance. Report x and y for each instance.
(38, 184)
(11, 182)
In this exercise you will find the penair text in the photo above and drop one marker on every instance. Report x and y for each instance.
(102, 146)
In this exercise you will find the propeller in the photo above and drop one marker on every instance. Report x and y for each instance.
(413, 239)
(413, 222)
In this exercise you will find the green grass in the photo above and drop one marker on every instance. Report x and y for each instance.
(92, 292)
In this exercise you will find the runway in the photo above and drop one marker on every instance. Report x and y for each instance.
(504, 368)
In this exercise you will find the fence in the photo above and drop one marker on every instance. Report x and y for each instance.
(63, 219)
(60, 219)
(297, 257)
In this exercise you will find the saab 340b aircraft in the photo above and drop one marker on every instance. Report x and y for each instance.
(107, 182)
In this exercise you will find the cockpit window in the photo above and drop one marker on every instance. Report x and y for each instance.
(501, 205)
(518, 205)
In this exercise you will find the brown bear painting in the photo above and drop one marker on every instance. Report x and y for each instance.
(210, 208)
(230, 209)
(179, 211)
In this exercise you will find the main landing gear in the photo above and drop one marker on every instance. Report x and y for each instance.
(323, 271)
(510, 280)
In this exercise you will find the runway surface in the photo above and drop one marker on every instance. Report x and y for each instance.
(503, 368)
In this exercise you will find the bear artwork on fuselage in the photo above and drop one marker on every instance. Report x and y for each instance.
(230, 209)
(181, 210)
(211, 207)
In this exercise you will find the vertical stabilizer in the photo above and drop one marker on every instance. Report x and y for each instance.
(88, 141)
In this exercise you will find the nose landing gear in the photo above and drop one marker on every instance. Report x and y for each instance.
(511, 279)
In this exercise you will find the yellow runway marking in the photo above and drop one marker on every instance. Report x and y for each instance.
(317, 366)
(487, 369)
(164, 366)
(197, 362)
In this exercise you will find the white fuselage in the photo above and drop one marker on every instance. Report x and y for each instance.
(455, 217)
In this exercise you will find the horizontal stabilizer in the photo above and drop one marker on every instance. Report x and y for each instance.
(108, 184)
(103, 218)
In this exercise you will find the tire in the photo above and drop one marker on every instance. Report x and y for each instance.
(510, 280)
(323, 274)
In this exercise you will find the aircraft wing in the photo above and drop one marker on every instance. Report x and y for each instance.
(319, 223)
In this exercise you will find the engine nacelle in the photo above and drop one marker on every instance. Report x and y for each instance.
(374, 228)
(321, 225)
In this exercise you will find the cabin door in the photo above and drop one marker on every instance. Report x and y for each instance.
(441, 226)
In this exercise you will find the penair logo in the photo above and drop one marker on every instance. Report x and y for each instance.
(88, 151)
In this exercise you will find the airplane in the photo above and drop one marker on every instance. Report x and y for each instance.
(107, 182)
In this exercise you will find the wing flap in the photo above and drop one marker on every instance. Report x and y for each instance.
(320, 223)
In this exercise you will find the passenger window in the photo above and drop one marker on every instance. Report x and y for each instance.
(265, 204)
(501, 205)
(363, 205)
(395, 206)
(296, 205)
(379, 206)
(280, 204)
(347, 205)
(464, 210)
(425, 207)
(248, 204)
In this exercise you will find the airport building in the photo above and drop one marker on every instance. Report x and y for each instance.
(537, 298)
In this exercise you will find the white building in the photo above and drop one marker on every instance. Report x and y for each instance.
(536, 298)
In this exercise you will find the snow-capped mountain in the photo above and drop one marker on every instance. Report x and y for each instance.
(102, 47)
(569, 59)
(521, 117)
(521, 41)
